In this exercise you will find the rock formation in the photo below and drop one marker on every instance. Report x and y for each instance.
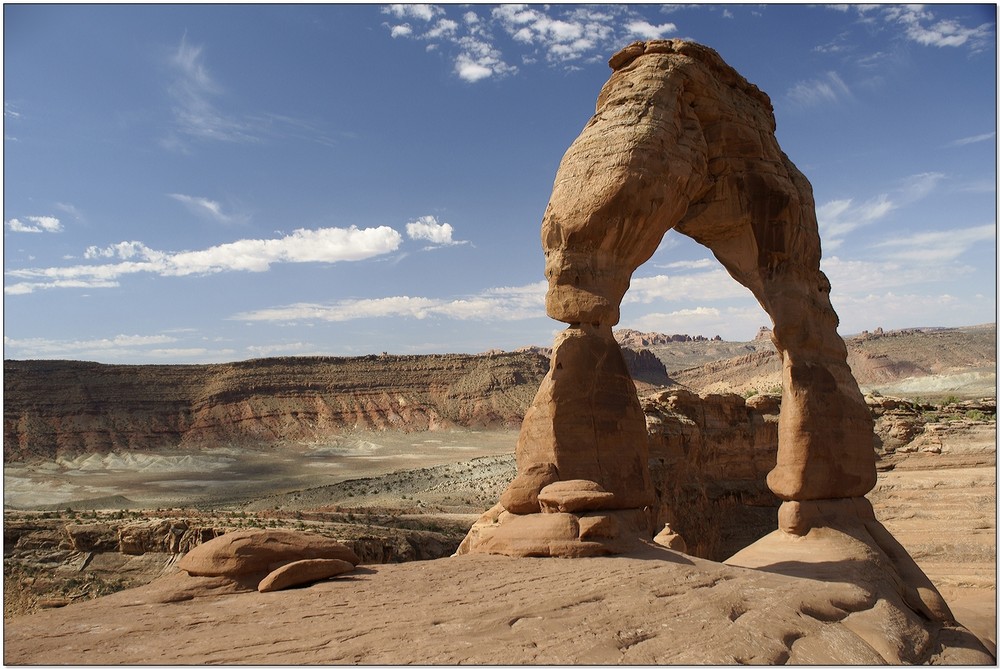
(269, 560)
(681, 140)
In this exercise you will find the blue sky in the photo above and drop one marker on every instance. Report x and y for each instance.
(191, 183)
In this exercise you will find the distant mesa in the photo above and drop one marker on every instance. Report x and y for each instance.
(636, 339)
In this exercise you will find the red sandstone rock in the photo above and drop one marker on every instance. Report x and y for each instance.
(248, 552)
(575, 495)
(680, 140)
(303, 571)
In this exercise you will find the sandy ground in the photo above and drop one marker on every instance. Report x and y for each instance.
(229, 475)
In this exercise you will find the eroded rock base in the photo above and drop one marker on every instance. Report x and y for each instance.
(841, 541)
(558, 533)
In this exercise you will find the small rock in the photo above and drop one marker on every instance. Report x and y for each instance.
(303, 571)
(574, 495)
(247, 552)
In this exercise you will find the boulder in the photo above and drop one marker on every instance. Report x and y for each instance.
(257, 552)
(303, 571)
(574, 495)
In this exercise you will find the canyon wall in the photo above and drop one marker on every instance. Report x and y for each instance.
(54, 408)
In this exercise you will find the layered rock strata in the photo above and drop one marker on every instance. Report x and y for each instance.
(63, 408)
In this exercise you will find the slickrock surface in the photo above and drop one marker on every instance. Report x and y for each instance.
(653, 607)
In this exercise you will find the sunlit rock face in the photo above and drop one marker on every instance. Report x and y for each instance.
(678, 140)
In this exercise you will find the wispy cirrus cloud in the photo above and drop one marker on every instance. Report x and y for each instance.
(205, 207)
(199, 112)
(507, 303)
(938, 246)
(826, 89)
(973, 139)
(194, 93)
(34, 224)
(559, 35)
(326, 245)
(838, 218)
(110, 349)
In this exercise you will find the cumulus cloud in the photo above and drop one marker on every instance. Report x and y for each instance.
(35, 224)
(419, 12)
(920, 25)
(251, 255)
(428, 228)
(478, 59)
(558, 34)
(506, 303)
(646, 30)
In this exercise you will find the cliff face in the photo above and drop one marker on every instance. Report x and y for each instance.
(708, 457)
(56, 408)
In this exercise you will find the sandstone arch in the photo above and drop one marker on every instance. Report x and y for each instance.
(679, 140)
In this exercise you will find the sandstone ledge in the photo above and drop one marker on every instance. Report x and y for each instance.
(655, 606)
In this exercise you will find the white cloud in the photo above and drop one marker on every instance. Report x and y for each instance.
(192, 91)
(196, 98)
(559, 34)
(732, 323)
(290, 348)
(70, 209)
(204, 207)
(646, 30)
(828, 89)
(407, 11)
(938, 246)
(41, 347)
(502, 304)
(35, 224)
(427, 227)
(403, 30)
(123, 250)
(715, 284)
(921, 26)
(838, 218)
(859, 277)
(252, 255)
(974, 139)
(479, 60)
